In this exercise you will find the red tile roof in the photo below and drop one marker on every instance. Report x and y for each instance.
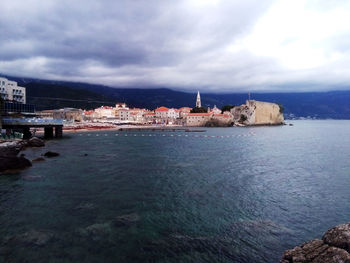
(162, 109)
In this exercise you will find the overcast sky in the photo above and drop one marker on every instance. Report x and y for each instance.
(211, 45)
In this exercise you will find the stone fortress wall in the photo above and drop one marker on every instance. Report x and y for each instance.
(264, 113)
(257, 113)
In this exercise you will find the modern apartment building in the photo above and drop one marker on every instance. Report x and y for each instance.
(9, 91)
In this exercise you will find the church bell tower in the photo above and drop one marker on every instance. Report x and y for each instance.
(198, 101)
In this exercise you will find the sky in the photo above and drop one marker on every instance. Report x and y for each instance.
(210, 45)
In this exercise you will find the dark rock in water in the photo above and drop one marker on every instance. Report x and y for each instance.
(85, 154)
(51, 154)
(35, 142)
(126, 220)
(11, 148)
(39, 159)
(13, 163)
(333, 248)
(33, 237)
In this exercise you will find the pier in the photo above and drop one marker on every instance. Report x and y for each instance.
(52, 128)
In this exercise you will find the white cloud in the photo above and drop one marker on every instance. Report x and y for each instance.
(216, 45)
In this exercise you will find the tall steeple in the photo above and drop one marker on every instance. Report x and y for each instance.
(198, 101)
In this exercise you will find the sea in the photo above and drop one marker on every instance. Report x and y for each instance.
(238, 194)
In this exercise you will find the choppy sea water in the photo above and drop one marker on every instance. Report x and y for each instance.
(226, 195)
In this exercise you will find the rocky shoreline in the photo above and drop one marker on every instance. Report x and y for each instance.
(9, 150)
(334, 247)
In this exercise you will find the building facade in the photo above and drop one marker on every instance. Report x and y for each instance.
(197, 119)
(105, 112)
(68, 114)
(10, 91)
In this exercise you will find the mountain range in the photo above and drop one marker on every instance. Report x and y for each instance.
(52, 94)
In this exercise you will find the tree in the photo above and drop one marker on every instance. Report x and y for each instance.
(199, 110)
(227, 108)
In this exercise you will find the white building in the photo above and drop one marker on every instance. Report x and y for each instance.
(123, 114)
(105, 112)
(161, 113)
(173, 113)
(216, 110)
(9, 91)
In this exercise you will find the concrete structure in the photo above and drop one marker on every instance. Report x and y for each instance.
(69, 114)
(9, 91)
(198, 101)
(52, 128)
(258, 113)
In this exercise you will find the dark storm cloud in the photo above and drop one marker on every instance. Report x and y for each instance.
(213, 44)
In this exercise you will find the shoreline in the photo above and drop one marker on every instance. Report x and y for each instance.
(333, 247)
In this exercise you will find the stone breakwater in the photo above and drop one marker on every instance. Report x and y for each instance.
(334, 247)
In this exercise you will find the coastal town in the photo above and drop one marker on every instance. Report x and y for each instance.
(20, 117)
(122, 114)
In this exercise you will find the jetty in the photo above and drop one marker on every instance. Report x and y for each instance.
(53, 128)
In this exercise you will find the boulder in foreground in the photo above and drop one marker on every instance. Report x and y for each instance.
(333, 248)
(13, 163)
(11, 148)
(35, 142)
